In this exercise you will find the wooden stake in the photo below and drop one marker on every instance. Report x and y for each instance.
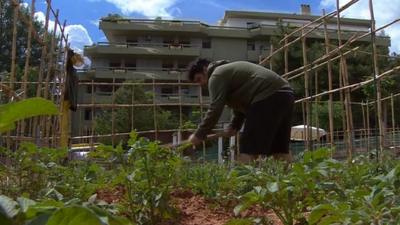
(368, 129)
(286, 55)
(307, 94)
(330, 85)
(347, 98)
(113, 113)
(393, 120)
(377, 82)
(155, 110)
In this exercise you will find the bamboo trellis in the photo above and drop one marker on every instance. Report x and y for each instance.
(47, 130)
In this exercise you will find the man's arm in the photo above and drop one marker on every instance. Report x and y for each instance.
(218, 92)
(237, 120)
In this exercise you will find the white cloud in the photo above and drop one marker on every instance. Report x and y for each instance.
(78, 36)
(385, 11)
(24, 5)
(149, 8)
(95, 22)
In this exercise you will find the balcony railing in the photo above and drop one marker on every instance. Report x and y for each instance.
(144, 48)
(147, 44)
(137, 73)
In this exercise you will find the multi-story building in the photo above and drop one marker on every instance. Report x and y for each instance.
(162, 49)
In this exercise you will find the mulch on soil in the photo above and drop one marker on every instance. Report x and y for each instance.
(195, 209)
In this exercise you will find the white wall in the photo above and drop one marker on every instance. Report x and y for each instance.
(242, 22)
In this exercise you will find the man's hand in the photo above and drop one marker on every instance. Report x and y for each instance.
(195, 140)
(229, 132)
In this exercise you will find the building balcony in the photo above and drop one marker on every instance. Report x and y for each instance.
(143, 49)
(184, 99)
(160, 99)
(126, 26)
(134, 73)
(254, 55)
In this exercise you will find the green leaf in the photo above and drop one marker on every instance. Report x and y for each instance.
(239, 222)
(15, 111)
(273, 187)
(74, 215)
(8, 207)
(25, 203)
(238, 209)
(40, 220)
(319, 212)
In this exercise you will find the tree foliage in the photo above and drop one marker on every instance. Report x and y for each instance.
(134, 118)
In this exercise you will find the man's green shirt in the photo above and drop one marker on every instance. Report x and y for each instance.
(238, 85)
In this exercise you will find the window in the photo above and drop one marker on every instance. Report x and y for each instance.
(206, 43)
(88, 89)
(105, 88)
(88, 114)
(182, 66)
(252, 25)
(167, 90)
(168, 65)
(251, 46)
(185, 91)
(132, 41)
(147, 38)
(115, 64)
(184, 42)
(131, 65)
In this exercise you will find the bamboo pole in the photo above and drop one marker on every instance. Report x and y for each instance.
(14, 45)
(44, 51)
(330, 84)
(308, 32)
(307, 94)
(107, 105)
(38, 122)
(368, 129)
(377, 83)
(320, 62)
(13, 60)
(271, 51)
(340, 48)
(27, 60)
(50, 70)
(316, 84)
(155, 110)
(324, 17)
(64, 108)
(347, 97)
(202, 116)
(132, 108)
(286, 55)
(57, 85)
(304, 135)
(364, 132)
(393, 120)
(180, 110)
(352, 87)
(113, 113)
(93, 121)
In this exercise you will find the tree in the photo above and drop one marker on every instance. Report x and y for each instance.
(134, 118)
(6, 36)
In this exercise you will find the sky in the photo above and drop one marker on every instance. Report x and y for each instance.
(83, 15)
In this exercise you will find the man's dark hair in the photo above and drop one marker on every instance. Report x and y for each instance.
(197, 67)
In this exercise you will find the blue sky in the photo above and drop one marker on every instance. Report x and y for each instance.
(83, 15)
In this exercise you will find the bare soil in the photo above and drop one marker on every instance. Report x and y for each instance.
(195, 209)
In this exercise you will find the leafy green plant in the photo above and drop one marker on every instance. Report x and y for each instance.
(149, 172)
(25, 211)
(15, 111)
